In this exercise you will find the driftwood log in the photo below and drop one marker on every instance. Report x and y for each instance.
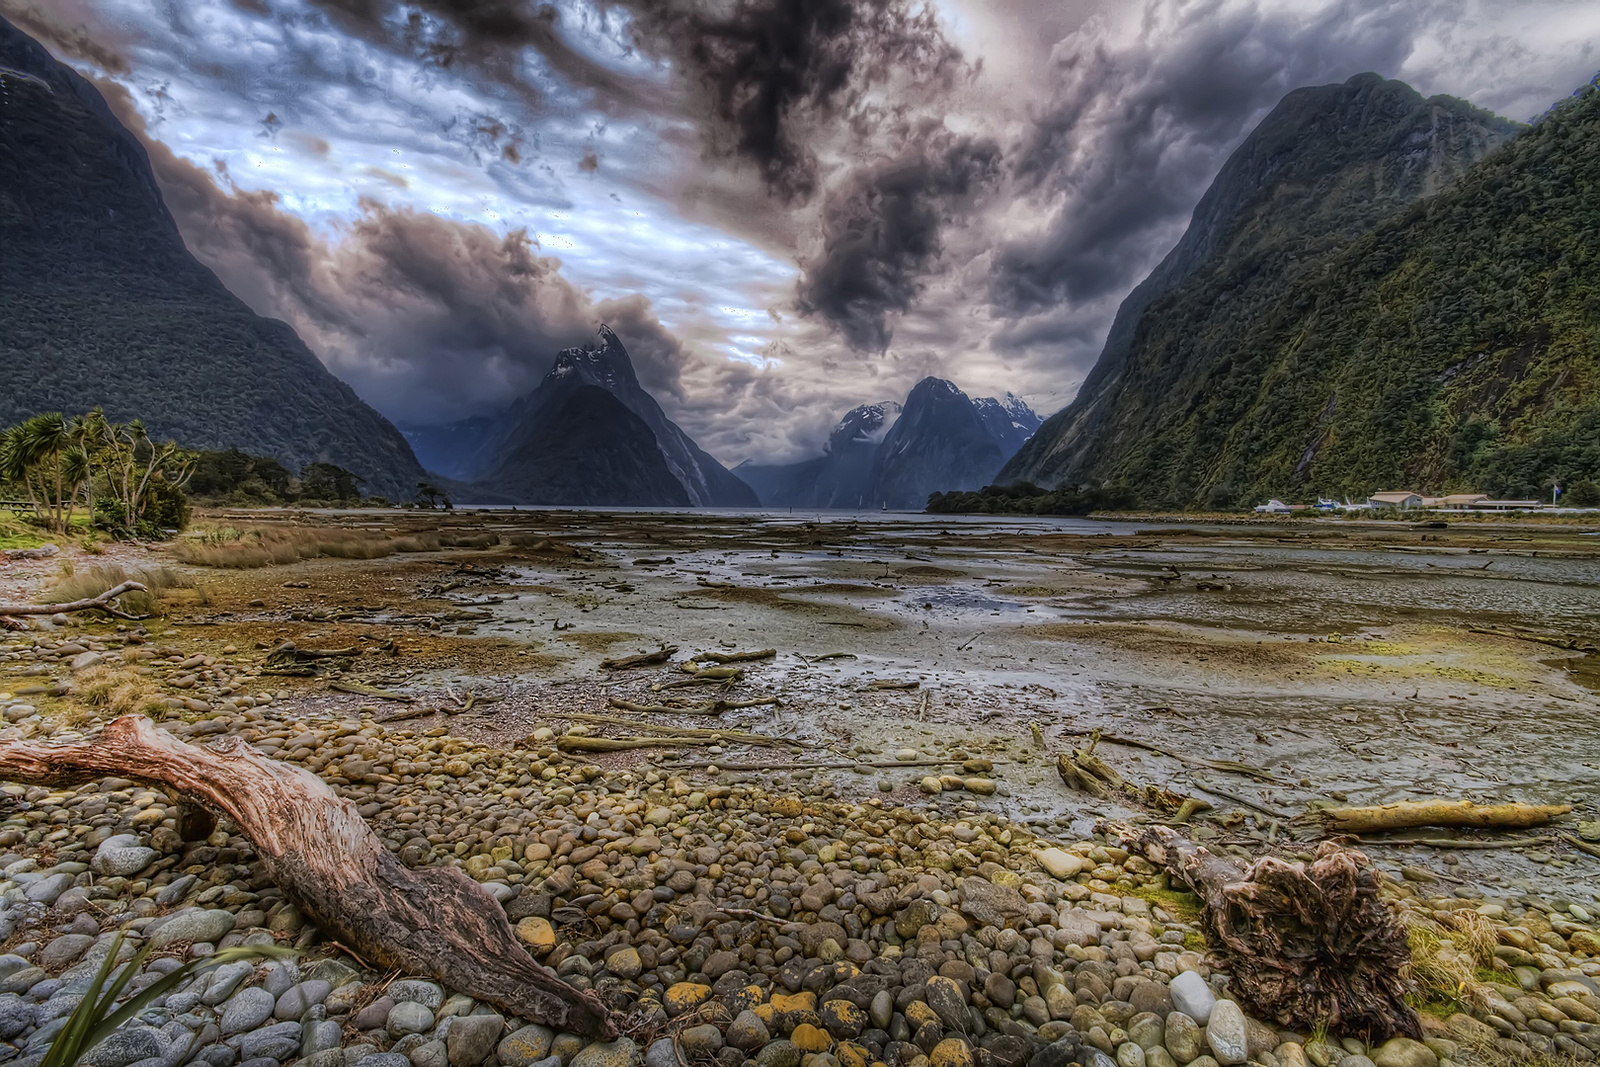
(1307, 944)
(1410, 814)
(105, 602)
(325, 858)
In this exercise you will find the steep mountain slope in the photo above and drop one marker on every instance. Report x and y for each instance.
(512, 465)
(1322, 169)
(101, 303)
(583, 446)
(943, 440)
(836, 479)
(453, 449)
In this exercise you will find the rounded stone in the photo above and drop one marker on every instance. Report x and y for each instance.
(1404, 1052)
(951, 1052)
(699, 1042)
(618, 1053)
(525, 1047)
(747, 1032)
(1227, 1035)
(246, 1010)
(409, 1017)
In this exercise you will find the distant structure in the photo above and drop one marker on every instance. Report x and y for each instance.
(1455, 501)
(1404, 500)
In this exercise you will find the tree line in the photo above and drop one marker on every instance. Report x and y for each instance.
(127, 484)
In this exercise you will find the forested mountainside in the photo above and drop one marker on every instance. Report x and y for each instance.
(101, 303)
(1188, 403)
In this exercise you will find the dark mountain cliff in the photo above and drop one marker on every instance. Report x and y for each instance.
(1326, 166)
(508, 459)
(583, 446)
(101, 303)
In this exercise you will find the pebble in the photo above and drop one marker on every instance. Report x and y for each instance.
(1192, 996)
(1226, 1034)
(246, 1010)
(409, 1017)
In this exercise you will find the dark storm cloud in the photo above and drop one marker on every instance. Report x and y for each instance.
(769, 71)
(882, 231)
(430, 319)
(488, 37)
(1134, 132)
(759, 76)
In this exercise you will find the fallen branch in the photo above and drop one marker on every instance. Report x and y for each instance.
(733, 657)
(737, 736)
(1230, 766)
(1207, 787)
(1569, 643)
(889, 683)
(580, 743)
(94, 603)
(328, 862)
(643, 659)
(1085, 772)
(409, 713)
(1409, 814)
(1580, 845)
(704, 708)
(370, 691)
(1307, 945)
(1453, 842)
(840, 766)
(724, 676)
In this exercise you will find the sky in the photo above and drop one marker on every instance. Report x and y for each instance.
(784, 207)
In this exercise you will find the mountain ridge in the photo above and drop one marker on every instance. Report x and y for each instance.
(1326, 165)
(951, 439)
(105, 306)
(1453, 346)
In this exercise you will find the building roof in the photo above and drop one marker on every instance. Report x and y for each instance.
(1395, 498)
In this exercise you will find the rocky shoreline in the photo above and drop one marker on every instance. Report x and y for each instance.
(726, 921)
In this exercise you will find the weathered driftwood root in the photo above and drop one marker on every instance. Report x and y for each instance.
(326, 859)
(1410, 814)
(1307, 944)
(103, 602)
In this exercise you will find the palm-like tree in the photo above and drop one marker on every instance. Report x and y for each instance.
(51, 465)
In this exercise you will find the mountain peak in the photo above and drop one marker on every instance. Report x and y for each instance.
(606, 364)
(864, 425)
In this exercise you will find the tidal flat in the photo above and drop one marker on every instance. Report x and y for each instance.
(1359, 663)
(713, 762)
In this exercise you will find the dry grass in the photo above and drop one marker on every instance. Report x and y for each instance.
(1445, 960)
(272, 546)
(114, 690)
(88, 582)
(276, 546)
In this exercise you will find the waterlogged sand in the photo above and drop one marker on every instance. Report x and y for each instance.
(1339, 658)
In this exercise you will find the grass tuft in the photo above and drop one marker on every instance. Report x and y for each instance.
(229, 547)
(91, 581)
